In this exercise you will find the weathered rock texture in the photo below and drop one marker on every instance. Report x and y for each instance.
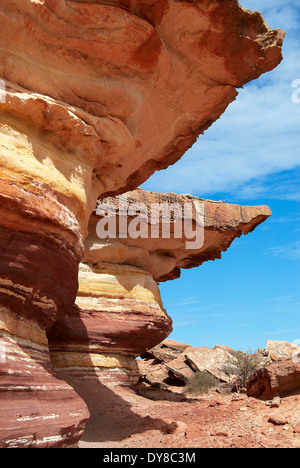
(171, 364)
(280, 375)
(37, 409)
(119, 313)
(98, 97)
(277, 379)
(164, 257)
(116, 91)
(282, 350)
(216, 361)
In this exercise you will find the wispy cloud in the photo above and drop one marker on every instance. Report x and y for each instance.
(281, 331)
(258, 136)
(291, 251)
(281, 299)
(188, 301)
(281, 186)
(187, 322)
(196, 319)
(198, 309)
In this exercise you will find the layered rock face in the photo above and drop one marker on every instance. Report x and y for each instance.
(282, 374)
(277, 379)
(37, 409)
(97, 97)
(119, 313)
(166, 232)
(90, 84)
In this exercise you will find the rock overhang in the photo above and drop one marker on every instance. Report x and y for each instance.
(110, 80)
(165, 256)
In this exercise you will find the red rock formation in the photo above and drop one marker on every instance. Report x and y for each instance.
(88, 84)
(166, 255)
(119, 313)
(277, 379)
(98, 80)
(281, 350)
(37, 409)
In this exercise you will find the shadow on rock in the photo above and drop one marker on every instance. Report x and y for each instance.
(111, 417)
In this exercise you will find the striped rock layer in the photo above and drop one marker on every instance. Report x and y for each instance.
(37, 409)
(84, 88)
(119, 314)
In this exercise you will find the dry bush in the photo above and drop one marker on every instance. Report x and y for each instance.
(201, 383)
(243, 364)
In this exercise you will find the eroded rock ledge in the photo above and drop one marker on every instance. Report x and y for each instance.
(164, 257)
(98, 97)
(119, 312)
(113, 92)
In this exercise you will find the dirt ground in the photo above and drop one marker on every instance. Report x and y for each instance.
(120, 418)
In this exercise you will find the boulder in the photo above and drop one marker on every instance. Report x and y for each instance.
(161, 353)
(277, 419)
(277, 379)
(216, 361)
(175, 345)
(280, 350)
(180, 369)
(153, 373)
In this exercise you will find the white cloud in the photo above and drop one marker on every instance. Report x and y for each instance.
(188, 322)
(188, 301)
(281, 299)
(282, 331)
(259, 134)
(199, 309)
(283, 186)
(291, 251)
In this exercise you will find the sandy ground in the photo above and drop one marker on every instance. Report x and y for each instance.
(159, 419)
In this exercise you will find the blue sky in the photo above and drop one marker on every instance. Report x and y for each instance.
(250, 156)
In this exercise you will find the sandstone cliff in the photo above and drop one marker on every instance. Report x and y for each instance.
(113, 92)
(98, 97)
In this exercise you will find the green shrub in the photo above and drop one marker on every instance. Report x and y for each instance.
(201, 383)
